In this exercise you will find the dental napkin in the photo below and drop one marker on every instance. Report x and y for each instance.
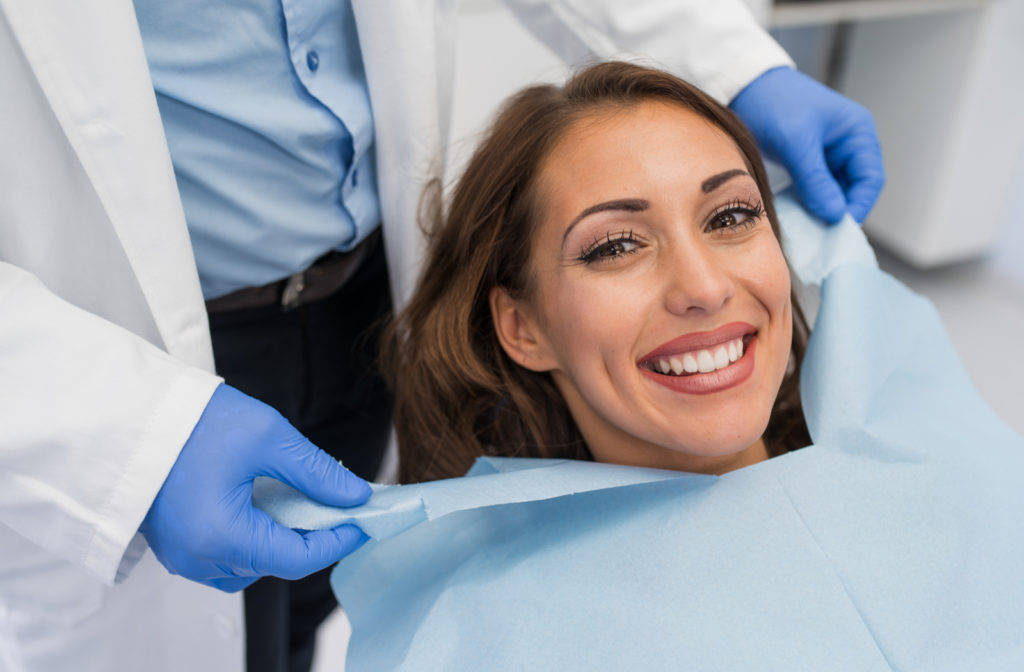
(893, 542)
(814, 250)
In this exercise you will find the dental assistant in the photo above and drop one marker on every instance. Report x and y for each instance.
(292, 148)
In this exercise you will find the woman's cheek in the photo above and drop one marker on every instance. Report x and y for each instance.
(773, 278)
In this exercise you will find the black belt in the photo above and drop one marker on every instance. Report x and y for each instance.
(323, 278)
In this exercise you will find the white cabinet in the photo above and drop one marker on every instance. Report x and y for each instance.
(944, 81)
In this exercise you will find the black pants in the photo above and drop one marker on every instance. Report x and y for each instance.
(315, 364)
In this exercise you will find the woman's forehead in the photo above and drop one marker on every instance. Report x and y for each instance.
(628, 145)
(661, 119)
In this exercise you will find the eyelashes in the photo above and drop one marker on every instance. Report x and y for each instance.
(731, 218)
(611, 246)
(737, 215)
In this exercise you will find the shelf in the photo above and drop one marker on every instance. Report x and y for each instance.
(794, 13)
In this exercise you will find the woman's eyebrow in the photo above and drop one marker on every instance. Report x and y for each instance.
(715, 181)
(626, 204)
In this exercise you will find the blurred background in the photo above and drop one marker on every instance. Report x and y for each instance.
(943, 79)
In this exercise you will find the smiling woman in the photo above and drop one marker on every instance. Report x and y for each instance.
(606, 283)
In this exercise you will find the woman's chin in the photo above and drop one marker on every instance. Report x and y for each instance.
(723, 459)
(706, 457)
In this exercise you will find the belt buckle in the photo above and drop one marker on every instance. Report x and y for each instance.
(291, 295)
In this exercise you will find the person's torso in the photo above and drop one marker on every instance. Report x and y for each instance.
(268, 121)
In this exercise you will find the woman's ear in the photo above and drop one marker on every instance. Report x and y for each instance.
(519, 333)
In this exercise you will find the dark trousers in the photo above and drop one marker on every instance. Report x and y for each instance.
(316, 364)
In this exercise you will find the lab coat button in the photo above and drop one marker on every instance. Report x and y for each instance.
(313, 60)
(226, 627)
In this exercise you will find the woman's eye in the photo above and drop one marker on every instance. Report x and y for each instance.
(613, 246)
(736, 216)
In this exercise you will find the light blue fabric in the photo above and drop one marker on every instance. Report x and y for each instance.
(893, 542)
(267, 116)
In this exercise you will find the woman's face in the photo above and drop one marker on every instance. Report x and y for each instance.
(660, 300)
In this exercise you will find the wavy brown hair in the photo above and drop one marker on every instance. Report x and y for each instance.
(458, 396)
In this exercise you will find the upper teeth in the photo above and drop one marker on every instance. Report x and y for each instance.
(702, 361)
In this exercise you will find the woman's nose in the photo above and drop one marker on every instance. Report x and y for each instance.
(696, 280)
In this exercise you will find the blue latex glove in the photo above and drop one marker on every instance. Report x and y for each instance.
(202, 524)
(826, 141)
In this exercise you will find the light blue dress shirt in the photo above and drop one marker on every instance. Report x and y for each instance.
(267, 116)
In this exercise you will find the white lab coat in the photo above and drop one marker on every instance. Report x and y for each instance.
(105, 357)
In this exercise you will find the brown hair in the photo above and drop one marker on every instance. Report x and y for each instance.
(458, 395)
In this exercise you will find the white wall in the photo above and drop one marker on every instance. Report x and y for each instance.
(495, 57)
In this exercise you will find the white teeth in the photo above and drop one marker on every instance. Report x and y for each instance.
(704, 361)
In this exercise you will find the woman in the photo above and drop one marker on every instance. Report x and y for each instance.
(607, 283)
(609, 238)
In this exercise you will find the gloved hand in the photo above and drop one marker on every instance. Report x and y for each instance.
(202, 524)
(826, 141)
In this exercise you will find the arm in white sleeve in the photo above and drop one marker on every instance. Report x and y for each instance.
(714, 44)
(92, 417)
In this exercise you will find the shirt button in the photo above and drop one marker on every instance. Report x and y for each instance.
(355, 178)
(313, 60)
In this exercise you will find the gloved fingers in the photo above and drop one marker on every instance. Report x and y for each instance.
(863, 194)
(231, 585)
(858, 158)
(316, 474)
(288, 554)
(327, 547)
(226, 582)
(817, 187)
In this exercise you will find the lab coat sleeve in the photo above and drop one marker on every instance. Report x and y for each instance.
(714, 44)
(93, 417)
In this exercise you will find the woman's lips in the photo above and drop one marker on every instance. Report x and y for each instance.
(700, 340)
(704, 362)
